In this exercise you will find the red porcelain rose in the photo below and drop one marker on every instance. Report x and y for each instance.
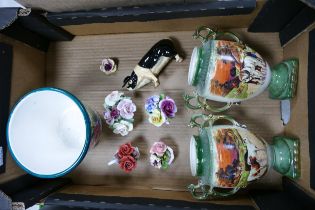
(127, 163)
(126, 157)
(125, 149)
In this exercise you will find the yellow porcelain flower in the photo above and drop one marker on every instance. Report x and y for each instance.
(157, 118)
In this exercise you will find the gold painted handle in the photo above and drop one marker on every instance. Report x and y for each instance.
(214, 193)
(205, 33)
(201, 103)
(228, 34)
(187, 99)
(208, 120)
(200, 192)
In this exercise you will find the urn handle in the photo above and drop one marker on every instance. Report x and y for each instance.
(208, 120)
(215, 193)
(205, 33)
(200, 191)
(201, 103)
(228, 34)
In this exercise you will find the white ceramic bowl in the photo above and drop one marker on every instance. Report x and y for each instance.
(48, 132)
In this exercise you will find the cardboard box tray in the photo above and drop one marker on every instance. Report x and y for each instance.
(74, 66)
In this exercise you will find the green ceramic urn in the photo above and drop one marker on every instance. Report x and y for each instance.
(227, 158)
(224, 69)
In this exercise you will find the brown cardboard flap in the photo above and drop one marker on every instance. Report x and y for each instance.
(28, 72)
(298, 125)
(185, 24)
(160, 194)
(182, 24)
(76, 5)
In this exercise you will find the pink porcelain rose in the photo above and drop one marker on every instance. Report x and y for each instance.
(158, 148)
(126, 108)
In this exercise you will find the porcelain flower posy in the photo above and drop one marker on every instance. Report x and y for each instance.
(119, 112)
(126, 157)
(108, 66)
(161, 156)
(160, 109)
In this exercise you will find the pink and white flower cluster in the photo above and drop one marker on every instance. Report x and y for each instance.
(161, 155)
(119, 112)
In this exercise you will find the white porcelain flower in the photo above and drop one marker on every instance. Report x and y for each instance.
(113, 98)
(155, 161)
(122, 127)
(171, 152)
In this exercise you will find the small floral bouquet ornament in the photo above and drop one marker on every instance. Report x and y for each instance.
(126, 157)
(119, 112)
(160, 109)
(108, 66)
(161, 155)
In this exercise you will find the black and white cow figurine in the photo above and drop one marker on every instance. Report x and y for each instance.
(151, 65)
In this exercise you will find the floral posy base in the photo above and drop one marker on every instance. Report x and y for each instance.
(119, 112)
(161, 156)
(108, 66)
(126, 157)
(160, 109)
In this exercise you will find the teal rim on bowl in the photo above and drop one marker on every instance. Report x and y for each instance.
(87, 132)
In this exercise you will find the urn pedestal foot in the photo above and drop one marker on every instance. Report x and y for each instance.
(285, 156)
(284, 80)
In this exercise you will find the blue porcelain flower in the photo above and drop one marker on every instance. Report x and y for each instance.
(152, 103)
